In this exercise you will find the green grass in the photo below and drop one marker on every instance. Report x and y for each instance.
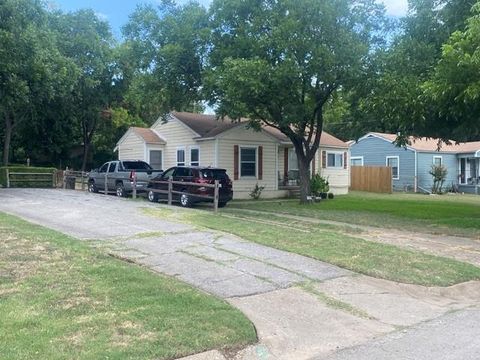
(329, 245)
(60, 299)
(450, 215)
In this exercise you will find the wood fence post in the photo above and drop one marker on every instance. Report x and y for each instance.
(134, 192)
(215, 196)
(64, 179)
(106, 184)
(83, 182)
(7, 174)
(170, 188)
(54, 179)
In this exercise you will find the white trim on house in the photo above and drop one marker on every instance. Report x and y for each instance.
(276, 167)
(437, 157)
(415, 178)
(179, 148)
(190, 148)
(477, 153)
(356, 158)
(398, 166)
(342, 166)
(240, 147)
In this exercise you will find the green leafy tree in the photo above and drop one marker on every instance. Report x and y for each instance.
(279, 63)
(33, 72)
(163, 58)
(87, 40)
(454, 88)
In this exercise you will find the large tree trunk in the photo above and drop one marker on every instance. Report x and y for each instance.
(86, 147)
(304, 177)
(7, 139)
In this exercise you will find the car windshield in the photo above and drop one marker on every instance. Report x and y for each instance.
(216, 174)
(136, 165)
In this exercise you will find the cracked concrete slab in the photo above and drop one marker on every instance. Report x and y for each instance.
(293, 324)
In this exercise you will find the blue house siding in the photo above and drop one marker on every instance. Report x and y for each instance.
(375, 152)
(425, 162)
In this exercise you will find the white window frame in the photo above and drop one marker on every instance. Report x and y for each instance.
(356, 158)
(398, 166)
(181, 148)
(438, 157)
(336, 153)
(190, 148)
(240, 161)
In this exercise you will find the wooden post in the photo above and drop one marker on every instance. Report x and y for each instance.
(134, 192)
(7, 174)
(83, 182)
(54, 179)
(64, 185)
(106, 184)
(170, 189)
(215, 196)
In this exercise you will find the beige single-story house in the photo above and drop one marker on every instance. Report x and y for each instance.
(265, 157)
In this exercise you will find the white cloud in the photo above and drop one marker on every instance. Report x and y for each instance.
(396, 8)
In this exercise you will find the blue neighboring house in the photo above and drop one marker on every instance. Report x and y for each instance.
(411, 163)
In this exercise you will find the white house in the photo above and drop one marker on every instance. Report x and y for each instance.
(265, 157)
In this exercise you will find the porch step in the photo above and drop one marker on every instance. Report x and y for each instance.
(294, 193)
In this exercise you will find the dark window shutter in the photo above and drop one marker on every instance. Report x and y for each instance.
(324, 159)
(345, 160)
(285, 163)
(260, 162)
(235, 162)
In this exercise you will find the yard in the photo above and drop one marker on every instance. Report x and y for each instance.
(61, 299)
(265, 222)
(447, 214)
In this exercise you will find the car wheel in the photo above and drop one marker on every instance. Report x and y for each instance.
(120, 190)
(92, 187)
(222, 204)
(152, 196)
(185, 200)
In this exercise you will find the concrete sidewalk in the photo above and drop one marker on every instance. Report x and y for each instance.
(337, 309)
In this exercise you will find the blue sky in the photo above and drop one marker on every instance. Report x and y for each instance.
(117, 11)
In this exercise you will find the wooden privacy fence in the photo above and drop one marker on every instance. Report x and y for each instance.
(30, 179)
(371, 178)
(170, 192)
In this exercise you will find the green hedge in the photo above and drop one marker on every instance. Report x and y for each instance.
(25, 169)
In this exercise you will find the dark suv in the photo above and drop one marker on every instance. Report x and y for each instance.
(189, 194)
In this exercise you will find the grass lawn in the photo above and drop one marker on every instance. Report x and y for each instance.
(450, 215)
(60, 299)
(330, 245)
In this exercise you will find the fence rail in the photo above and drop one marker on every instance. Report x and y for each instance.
(371, 178)
(170, 192)
(69, 179)
(30, 178)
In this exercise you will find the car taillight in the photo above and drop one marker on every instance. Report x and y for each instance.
(133, 175)
(201, 181)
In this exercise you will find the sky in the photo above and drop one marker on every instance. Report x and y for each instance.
(116, 11)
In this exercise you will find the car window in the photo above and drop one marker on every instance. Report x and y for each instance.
(183, 172)
(216, 174)
(169, 173)
(112, 167)
(103, 168)
(136, 165)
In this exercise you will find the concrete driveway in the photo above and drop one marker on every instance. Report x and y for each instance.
(337, 309)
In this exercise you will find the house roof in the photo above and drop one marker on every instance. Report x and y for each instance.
(208, 126)
(148, 135)
(205, 125)
(432, 145)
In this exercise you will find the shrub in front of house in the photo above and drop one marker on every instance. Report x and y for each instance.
(319, 186)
